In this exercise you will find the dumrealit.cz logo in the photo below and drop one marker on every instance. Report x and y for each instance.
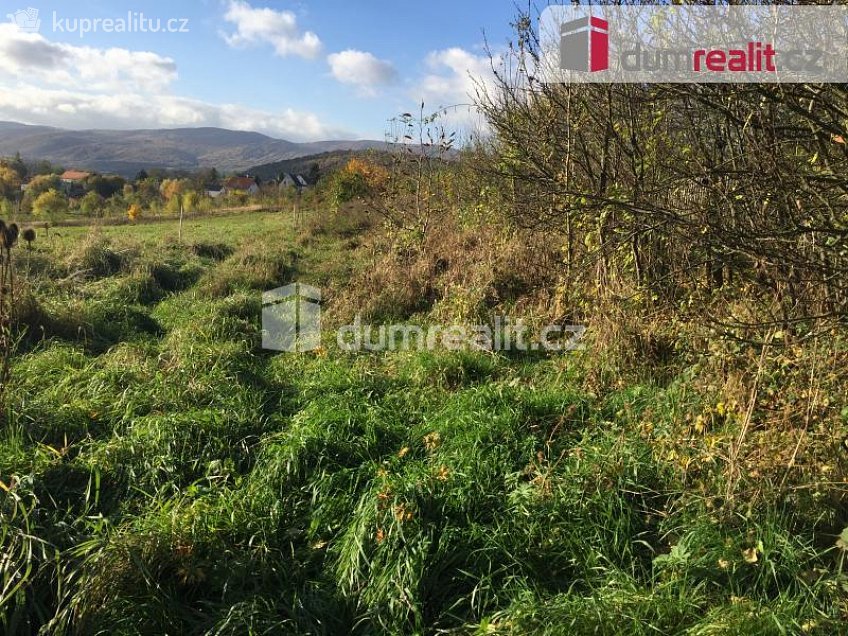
(584, 45)
(694, 43)
(291, 323)
(291, 318)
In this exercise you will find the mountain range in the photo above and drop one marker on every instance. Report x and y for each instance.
(125, 152)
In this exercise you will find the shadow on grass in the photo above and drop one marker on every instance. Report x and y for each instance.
(96, 326)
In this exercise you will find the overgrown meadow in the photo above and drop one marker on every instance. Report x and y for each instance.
(162, 474)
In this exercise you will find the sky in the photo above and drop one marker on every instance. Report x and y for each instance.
(292, 69)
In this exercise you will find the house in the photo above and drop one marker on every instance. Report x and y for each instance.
(70, 177)
(214, 194)
(293, 181)
(73, 182)
(246, 185)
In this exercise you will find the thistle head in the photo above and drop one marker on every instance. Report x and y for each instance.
(9, 236)
(14, 233)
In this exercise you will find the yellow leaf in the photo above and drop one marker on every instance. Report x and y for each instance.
(751, 555)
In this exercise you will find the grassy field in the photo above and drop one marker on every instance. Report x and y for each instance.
(162, 474)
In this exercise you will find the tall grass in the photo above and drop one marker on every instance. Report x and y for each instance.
(161, 474)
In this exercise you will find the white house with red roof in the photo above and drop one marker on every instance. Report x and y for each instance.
(70, 177)
(73, 182)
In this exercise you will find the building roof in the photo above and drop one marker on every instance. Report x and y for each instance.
(296, 179)
(239, 183)
(74, 175)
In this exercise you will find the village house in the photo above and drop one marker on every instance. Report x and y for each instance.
(73, 182)
(74, 176)
(293, 181)
(246, 185)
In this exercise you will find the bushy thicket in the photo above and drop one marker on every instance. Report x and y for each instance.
(682, 189)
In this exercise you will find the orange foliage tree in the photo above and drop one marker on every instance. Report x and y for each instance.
(134, 212)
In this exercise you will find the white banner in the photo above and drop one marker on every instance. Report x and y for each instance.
(682, 44)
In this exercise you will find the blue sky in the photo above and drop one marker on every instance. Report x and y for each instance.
(294, 69)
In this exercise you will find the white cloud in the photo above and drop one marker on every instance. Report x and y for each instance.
(31, 56)
(453, 79)
(76, 109)
(363, 70)
(267, 26)
(77, 87)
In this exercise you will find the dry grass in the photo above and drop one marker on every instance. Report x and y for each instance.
(455, 275)
(95, 256)
(254, 266)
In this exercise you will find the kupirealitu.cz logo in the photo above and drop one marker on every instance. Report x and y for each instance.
(28, 21)
(643, 44)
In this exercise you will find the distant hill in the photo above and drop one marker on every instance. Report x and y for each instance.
(324, 164)
(125, 152)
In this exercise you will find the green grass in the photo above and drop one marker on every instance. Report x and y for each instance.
(165, 475)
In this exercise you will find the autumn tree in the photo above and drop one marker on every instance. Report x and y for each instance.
(190, 200)
(358, 179)
(19, 166)
(92, 204)
(134, 212)
(10, 182)
(171, 188)
(105, 186)
(50, 204)
(41, 184)
(172, 191)
(147, 191)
